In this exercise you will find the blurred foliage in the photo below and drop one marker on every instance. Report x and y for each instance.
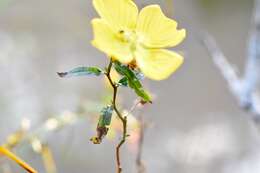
(4, 3)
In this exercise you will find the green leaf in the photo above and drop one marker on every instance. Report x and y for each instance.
(81, 71)
(133, 81)
(123, 82)
(105, 117)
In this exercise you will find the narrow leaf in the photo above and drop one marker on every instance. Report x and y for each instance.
(123, 82)
(133, 81)
(81, 71)
(105, 117)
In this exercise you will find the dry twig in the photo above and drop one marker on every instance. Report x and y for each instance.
(243, 88)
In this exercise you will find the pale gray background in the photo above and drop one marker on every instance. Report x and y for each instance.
(197, 125)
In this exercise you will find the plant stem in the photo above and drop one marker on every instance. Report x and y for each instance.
(169, 7)
(121, 117)
(139, 162)
(12, 156)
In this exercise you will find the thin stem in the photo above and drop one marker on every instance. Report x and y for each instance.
(42, 131)
(121, 117)
(139, 162)
(12, 156)
(48, 159)
(169, 7)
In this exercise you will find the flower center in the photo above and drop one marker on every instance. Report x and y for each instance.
(130, 37)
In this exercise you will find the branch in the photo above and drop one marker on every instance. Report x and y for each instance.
(244, 88)
(12, 156)
(252, 69)
(123, 119)
(139, 161)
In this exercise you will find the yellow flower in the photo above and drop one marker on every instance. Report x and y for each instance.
(130, 37)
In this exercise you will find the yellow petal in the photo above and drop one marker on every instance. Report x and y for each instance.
(108, 42)
(158, 64)
(119, 14)
(158, 30)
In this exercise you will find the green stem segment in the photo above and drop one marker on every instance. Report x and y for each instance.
(121, 117)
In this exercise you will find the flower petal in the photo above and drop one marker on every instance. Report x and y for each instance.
(158, 30)
(158, 64)
(119, 14)
(108, 42)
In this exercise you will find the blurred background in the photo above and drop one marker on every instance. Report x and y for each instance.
(197, 125)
